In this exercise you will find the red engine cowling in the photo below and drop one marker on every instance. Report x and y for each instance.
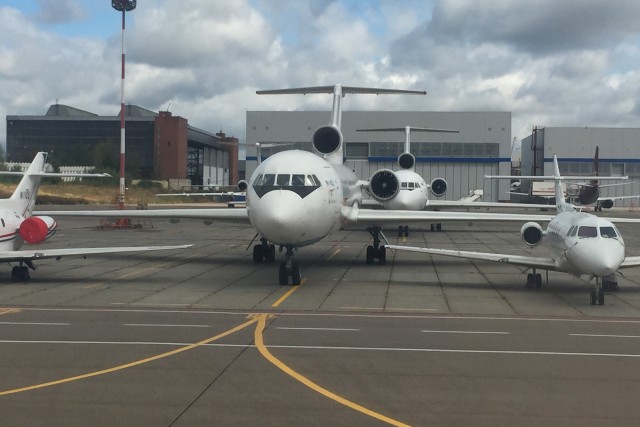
(37, 229)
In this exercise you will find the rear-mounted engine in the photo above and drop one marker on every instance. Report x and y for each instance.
(327, 139)
(438, 187)
(531, 234)
(384, 185)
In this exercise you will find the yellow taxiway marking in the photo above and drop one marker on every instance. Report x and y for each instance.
(136, 363)
(8, 311)
(262, 321)
(334, 254)
(288, 293)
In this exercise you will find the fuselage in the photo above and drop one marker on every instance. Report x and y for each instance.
(296, 198)
(584, 244)
(413, 194)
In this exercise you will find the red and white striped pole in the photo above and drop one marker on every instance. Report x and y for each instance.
(122, 6)
(121, 194)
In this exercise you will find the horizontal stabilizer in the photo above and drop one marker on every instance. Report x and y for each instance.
(412, 130)
(331, 89)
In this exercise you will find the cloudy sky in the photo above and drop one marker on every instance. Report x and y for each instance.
(549, 62)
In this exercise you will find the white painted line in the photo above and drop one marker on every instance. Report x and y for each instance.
(35, 323)
(466, 332)
(604, 336)
(157, 325)
(310, 347)
(389, 309)
(319, 329)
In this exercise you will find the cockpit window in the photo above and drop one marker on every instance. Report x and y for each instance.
(283, 180)
(587, 231)
(571, 230)
(608, 232)
(297, 179)
(268, 179)
(404, 184)
(412, 185)
(315, 180)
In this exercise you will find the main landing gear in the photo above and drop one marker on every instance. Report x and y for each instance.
(534, 280)
(376, 251)
(290, 268)
(20, 273)
(264, 251)
(403, 230)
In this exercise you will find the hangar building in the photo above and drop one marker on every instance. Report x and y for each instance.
(483, 146)
(619, 155)
(160, 145)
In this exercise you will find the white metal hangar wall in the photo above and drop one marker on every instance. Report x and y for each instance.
(483, 146)
(619, 155)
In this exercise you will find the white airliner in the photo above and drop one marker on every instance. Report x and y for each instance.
(18, 226)
(296, 198)
(580, 244)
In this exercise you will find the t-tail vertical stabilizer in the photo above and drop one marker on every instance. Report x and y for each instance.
(328, 140)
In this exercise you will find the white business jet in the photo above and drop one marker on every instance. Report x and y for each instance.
(296, 198)
(580, 244)
(18, 226)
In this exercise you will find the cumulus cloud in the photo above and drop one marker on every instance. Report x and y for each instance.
(568, 63)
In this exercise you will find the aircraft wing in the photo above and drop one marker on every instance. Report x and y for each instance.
(456, 204)
(379, 217)
(239, 215)
(630, 261)
(42, 253)
(637, 196)
(521, 260)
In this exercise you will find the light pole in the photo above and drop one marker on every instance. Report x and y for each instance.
(122, 6)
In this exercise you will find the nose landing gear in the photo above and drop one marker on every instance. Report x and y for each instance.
(290, 268)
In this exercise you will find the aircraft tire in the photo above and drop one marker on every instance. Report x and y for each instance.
(601, 298)
(593, 297)
(400, 231)
(296, 274)
(382, 254)
(257, 254)
(283, 275)
(369, 254)
(406, 231)
(272, 253)
(538, 280)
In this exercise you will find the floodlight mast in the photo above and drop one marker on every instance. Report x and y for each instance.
(122, 6)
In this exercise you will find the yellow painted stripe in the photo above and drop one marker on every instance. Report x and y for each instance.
(334, 254)
(252, 320)
(288, 293)
(8, 311)
(304, 380)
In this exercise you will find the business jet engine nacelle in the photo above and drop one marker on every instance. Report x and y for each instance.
(406, 161)
(384, 185)
(327, 139)
(242, 185)
(607, 204)
(438, 187)
(37, 229)
(531, 234)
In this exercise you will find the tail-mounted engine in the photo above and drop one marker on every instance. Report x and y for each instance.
(607, 204)
(531, 234)
(327, 139)
(438, 187)
(384, 185)
(406, 161)
(37, 229)
(242, 185)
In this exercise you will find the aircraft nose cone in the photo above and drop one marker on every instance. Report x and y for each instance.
(280, 217)
(600, 258)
